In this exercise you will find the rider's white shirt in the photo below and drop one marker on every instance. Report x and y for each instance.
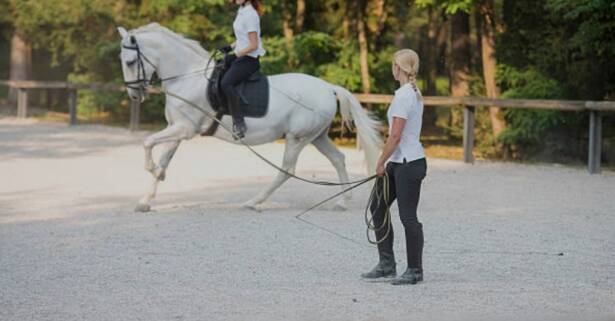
(406, 105)
(247, 21)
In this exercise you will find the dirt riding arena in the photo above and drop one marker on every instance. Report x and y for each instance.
(502, 239)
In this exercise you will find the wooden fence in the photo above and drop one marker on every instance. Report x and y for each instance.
(469, 104)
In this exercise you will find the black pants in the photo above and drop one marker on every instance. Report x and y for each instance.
(404, 185)
(240, 69)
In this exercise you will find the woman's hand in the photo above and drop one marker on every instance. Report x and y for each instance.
(380, 169)
(391, 144)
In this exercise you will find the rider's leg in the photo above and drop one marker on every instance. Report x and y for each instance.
(240, 70)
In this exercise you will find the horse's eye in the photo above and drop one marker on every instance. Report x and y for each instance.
(131, 62)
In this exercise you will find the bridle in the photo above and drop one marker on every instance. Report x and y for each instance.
(143, 81)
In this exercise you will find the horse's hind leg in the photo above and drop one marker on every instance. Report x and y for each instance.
(294, 146)
(337, 159)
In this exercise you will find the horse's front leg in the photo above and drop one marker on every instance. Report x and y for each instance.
(170, 137)
(170, 134)
(148, 147)
(144, 204)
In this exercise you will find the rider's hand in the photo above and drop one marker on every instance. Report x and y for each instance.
(226, 49)
(228, 59)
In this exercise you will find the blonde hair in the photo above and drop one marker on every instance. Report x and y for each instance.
(408, 62)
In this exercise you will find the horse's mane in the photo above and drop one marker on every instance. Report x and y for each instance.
(192, 44)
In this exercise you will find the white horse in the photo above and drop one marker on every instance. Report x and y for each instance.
(301, 108)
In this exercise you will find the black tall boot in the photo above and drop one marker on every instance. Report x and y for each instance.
(239, 127)
(384, 269)
(414, 252)
(239, 124)
(411, 276)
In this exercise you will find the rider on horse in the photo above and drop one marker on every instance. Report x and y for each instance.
(248, 48)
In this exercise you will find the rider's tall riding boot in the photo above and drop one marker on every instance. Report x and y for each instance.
(239, 124)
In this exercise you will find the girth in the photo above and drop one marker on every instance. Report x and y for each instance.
(211, 131)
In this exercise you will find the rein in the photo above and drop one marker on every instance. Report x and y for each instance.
(374, 195)
(270, 163)
(143, 86)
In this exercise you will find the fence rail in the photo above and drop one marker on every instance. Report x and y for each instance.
(595, 108)
(563, 105)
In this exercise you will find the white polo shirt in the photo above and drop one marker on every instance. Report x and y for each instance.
(407, 106)
(247, 21)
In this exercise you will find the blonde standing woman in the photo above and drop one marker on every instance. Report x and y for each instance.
(403, 159)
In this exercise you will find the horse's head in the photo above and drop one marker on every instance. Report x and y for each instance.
(137, 69)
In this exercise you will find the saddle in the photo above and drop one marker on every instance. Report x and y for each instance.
(254, 93)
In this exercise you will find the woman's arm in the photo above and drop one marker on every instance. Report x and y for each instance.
(253, 44)
(391, 144)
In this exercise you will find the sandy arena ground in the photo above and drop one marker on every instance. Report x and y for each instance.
(502, 239)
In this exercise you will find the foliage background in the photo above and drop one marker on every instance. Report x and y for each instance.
(551, 49)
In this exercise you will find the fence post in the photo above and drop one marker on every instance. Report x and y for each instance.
(47, 99)
(72, 106)
(468, 134)
(595, 142)
(135, 109)
(22, 103)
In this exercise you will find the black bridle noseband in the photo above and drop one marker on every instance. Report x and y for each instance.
(142, 82)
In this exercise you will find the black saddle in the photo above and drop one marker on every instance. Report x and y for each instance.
(254, 93)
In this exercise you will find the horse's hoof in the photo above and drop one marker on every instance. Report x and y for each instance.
(160, 175)
(250, 206)
(142, 208)
(340, 207)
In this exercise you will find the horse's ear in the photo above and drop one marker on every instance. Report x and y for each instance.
(122, 32)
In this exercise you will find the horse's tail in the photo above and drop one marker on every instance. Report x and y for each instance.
(368, 128)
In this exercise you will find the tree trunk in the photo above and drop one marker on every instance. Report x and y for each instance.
(346, 27)
(300, 16)
(21, 61)
(488, 32)
(460, 57)
(287, 17)
(432, 43)
(400, 39)
(431, 62)
(478, 56)
(378, 11)
(375, 22)
(363, 48)
(289, 33)
(346, 19)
